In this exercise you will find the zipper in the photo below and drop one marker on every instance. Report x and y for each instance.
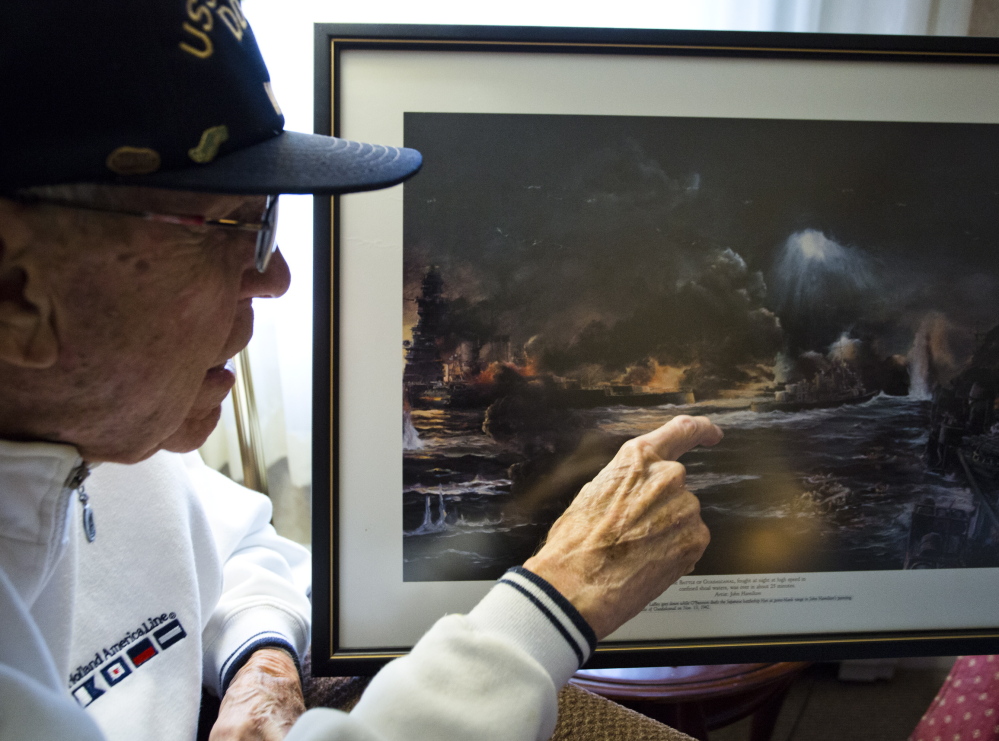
(75, 483)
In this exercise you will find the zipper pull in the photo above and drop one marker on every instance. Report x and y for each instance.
(75, 481)
(89, 528)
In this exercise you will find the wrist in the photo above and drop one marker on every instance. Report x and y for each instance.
(272, 659)
(264, 698)
(270, 666)
(588, 602)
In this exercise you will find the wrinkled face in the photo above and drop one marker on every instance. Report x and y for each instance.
(147, 314)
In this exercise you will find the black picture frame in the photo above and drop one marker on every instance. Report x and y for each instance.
(330, 655)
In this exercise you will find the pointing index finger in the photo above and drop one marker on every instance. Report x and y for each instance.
(682, 434)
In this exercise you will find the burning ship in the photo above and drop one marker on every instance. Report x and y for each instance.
(440, 372)
(571, 394)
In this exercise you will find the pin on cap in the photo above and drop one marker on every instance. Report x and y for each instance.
(163, 93)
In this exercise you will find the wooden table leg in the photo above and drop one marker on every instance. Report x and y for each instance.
(687, 717)
(765, 717)
(691, 720)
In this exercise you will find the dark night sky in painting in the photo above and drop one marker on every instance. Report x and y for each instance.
(788, 233)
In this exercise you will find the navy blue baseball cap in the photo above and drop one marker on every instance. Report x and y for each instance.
(161, 93)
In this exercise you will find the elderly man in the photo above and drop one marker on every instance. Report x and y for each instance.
(142, 152)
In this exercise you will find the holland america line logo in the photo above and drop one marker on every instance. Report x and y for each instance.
(117, 662)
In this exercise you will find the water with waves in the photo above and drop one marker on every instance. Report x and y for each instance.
(819, 490)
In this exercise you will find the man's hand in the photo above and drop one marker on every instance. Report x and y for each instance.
(263, 700)
(632, 531)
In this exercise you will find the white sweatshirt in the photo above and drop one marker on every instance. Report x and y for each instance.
(185, 578)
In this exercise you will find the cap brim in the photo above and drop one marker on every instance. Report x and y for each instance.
(293, 162)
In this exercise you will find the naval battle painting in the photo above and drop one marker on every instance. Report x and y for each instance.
(825, 291)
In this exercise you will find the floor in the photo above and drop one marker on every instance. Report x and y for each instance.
(821, 707)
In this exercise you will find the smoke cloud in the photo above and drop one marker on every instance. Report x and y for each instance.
(692, 252)
(712, 324)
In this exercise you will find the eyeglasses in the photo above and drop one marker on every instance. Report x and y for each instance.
(266, 229)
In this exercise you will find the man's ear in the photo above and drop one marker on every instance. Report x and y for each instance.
(27, 336)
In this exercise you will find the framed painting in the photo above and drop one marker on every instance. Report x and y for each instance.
(795, 235)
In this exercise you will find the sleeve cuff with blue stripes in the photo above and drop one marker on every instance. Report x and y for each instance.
(244, 631)
(236, 661)
(532, 614)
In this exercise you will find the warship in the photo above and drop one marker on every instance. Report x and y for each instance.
(963, 441)
(572, 395)
(443, 371)
(827, 389)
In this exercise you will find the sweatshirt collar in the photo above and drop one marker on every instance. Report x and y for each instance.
(37, 482)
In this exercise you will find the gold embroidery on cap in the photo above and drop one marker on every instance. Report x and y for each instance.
(206, 49)
(200, 12)
(133, 161)
(233, 18)
(201, 15)
(208, 147)
(270, 94)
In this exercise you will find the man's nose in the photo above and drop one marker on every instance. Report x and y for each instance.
(271, 283)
